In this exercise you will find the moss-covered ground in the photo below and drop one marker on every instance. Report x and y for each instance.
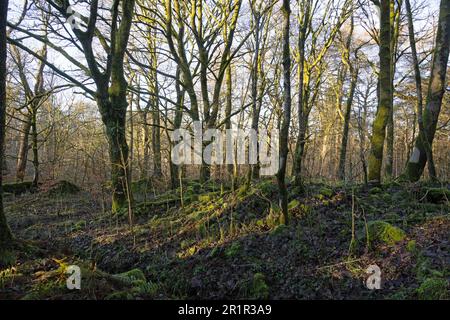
(207, 242)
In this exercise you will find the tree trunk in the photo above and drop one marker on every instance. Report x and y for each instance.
(436, 90)
(5, 232)
(156, 141)
(300, 145)
(146, 132)
(22, 155)
(114, 119)
(385, 101)
(253, 172)
(284, 135)
(228, 107)
(34, 135)
(395, 28)
(348, 108)
(175, 170)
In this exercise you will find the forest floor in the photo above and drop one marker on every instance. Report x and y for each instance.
(216, 244)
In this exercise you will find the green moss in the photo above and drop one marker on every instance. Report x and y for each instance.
(293, 204)
(120, 295)
(132, 275)
(233, 250)
(80, 225)
(280, 229)
(62, 187)
(267, 187)
(433, 289)
(327, 192)
(7, 258)
(385, 232)
(437, 195)
(375, 190)
(214, 252)
(259, 288)
(411, 246)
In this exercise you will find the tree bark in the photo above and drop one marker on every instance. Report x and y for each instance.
(300, 145)
(34, 135)
(284, 134)
(114, 118)
(395, 28)
(345, 132)
(22, 155)
(385, 101)
(5, 232)
(436, 90)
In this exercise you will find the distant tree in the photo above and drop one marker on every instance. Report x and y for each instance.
(110, 83)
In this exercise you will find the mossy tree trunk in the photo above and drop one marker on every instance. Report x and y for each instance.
(114, 118)
(253, 172)
(395, 31)
(284, 134)
(436, 90)
(385, 91)
(5, 232)
(300, 145)
(109, 78)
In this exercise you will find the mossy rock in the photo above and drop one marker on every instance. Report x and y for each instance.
(204, 198)
(62, 187)
(437, 195)
(259, 288)
(7, 258)
(376, 190)
(326, 192)
(278, 230)
(433, 289)
(233, 250)
(18, 188)
(411, 246)
(79, 225)
(120, 295)
(132, 276)
(384, 232)
(267, 187)
(293, 204)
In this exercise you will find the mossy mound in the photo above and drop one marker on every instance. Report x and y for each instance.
(19, 187)
(433, 289)
(60, 188)
(376, 190)
(325, 191)
(131, 276)
(259, 288)
(384, 232)
(437, 195)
